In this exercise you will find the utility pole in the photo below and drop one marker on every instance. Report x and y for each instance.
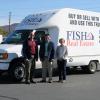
(10, 21)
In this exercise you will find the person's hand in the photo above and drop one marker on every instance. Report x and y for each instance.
(32, 56)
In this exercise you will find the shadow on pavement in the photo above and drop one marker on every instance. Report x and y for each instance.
(7, 97)
(5, 79)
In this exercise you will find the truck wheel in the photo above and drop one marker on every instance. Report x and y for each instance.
(92, 67)
(17, 71)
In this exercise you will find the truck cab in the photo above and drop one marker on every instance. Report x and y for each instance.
(11, 59)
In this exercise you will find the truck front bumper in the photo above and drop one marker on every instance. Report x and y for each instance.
(4, 66)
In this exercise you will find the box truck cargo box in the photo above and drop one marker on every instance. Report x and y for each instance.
(79, 28)
(1, 38)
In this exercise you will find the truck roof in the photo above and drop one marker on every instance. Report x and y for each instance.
(36, 20)
(50, 18)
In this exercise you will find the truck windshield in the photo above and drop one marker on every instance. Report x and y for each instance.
(19, 36)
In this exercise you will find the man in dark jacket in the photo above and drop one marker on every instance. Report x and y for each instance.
(46, 54)
(30, 53)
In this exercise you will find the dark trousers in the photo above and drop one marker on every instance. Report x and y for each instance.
(62, 69)
(30, 68)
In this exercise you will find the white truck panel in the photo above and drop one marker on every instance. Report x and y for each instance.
(80, 29)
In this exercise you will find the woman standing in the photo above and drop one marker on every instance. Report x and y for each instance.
(61, 53)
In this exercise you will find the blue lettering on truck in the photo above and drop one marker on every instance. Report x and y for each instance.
(77, 38)
(77, 35)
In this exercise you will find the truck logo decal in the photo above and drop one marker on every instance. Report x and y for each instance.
(78, 38)
(33, 21)
(37, 18)
(77, 35)
(70, 59)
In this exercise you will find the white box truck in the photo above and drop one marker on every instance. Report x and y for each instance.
(1, 38)
(80, 29)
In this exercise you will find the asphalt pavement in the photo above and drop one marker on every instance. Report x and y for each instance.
(78, 86)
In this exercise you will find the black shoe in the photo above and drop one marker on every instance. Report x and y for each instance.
(33, 81)
(27, 82)
(43, 81)
(50, 81)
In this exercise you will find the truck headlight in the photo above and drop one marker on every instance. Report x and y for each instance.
(3, 55)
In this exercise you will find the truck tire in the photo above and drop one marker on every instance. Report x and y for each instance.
(17, 71)
(92, 67)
